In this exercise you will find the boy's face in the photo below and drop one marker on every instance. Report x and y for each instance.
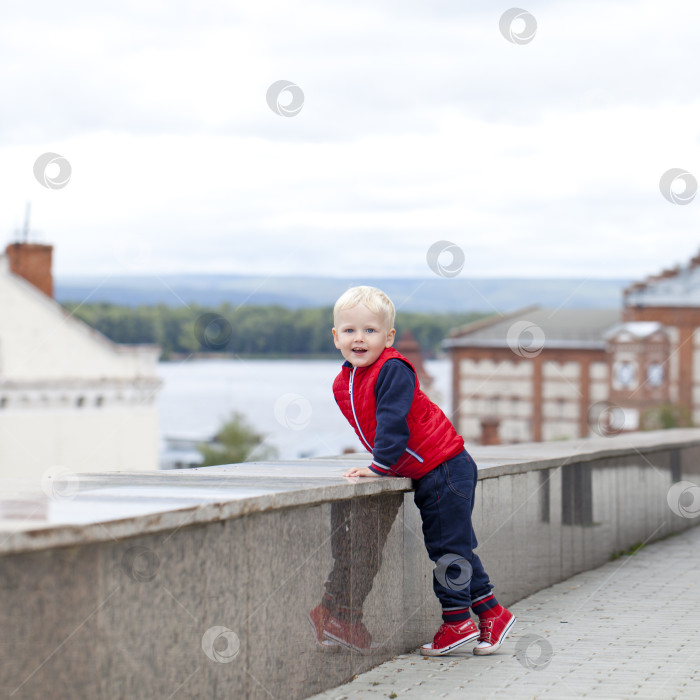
(361, 335)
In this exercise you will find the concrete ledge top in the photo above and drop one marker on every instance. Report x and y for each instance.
(66, 509)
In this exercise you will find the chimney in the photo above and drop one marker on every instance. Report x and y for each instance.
(489, 431)
(408, 346)
(33, 262)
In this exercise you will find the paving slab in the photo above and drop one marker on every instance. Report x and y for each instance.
(628, 629)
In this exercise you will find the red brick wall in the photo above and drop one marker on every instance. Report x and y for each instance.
(686, 319)
(583, 357)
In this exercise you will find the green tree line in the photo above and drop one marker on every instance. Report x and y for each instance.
(245, 330)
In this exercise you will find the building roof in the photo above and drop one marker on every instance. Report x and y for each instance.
(552, 328)
(678, 286)
(40, 340)
(636, 329)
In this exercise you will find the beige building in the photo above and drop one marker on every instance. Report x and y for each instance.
(548, 374)
(70, 399)
(529, 376)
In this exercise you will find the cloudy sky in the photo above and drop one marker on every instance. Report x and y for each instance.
(537, 155)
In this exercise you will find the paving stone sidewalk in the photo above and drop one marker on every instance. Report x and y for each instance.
(629, 629)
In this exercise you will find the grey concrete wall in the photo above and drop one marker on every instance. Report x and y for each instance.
(188, 607)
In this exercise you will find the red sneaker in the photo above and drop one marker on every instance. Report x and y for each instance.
(493, 630)
(353, 635)
(319, 618)
(449, 637)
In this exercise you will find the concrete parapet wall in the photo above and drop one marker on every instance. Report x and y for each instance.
(199, 583)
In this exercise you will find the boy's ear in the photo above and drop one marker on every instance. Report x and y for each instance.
(335, 337)
(390, 336)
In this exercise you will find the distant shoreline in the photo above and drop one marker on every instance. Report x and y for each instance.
(181, 356)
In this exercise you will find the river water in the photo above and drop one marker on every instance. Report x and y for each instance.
(288, 401)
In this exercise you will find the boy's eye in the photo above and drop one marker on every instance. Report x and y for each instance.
(370, 330)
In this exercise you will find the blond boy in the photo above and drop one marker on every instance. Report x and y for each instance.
(378, 392)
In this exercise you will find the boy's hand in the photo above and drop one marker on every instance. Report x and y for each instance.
(360, 471)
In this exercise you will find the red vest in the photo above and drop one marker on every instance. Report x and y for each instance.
(432, 438)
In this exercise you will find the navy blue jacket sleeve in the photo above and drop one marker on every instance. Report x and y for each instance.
(394, 391)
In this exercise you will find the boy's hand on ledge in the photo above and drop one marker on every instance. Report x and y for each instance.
(360, 471)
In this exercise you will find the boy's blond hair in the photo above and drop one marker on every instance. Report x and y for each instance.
(371, 297)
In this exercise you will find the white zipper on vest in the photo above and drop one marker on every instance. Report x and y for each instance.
(415, 455)
(354, 415)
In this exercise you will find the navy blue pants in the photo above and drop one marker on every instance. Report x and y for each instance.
(445, 498)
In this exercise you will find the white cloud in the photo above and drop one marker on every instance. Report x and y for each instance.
(420, 123)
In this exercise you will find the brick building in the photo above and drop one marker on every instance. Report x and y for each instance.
(547, 374)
